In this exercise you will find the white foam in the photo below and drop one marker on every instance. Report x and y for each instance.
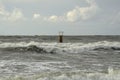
(13, 66)
(63, 47)
(53, 73)
(67, 76)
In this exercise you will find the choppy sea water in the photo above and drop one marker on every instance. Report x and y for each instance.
(43, 58)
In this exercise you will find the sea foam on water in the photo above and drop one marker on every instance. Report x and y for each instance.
(67, 76)
(70, 61)
(65, 47)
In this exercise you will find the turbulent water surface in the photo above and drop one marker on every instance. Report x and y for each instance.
(43, 58)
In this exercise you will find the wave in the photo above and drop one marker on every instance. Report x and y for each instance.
(31, 48)
(68, 75)
(41, 47)
(107, 48)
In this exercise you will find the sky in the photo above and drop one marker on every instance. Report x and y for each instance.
(48, 17)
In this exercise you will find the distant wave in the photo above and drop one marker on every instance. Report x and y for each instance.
(59, 47)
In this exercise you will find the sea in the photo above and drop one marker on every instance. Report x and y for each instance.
(90, 57)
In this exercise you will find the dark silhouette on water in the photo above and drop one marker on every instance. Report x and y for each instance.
(60, 37)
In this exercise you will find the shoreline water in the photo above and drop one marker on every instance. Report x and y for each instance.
(43, 58)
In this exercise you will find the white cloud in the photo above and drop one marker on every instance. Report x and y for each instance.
(16, 15)
(13, 16)
(83, 13)
(78, 13)
(3, 12)
(36, 15)
(53, 18)
(72, 15)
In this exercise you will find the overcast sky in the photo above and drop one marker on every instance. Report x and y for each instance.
(48, 17)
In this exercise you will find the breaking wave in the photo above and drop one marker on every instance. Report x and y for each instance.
(59, 47)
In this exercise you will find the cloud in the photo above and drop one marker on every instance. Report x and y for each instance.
(3, 12)
(72, 15)
(53, 18)
(83, 13)
(78, 13)
(36, 15)
(13, 16)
